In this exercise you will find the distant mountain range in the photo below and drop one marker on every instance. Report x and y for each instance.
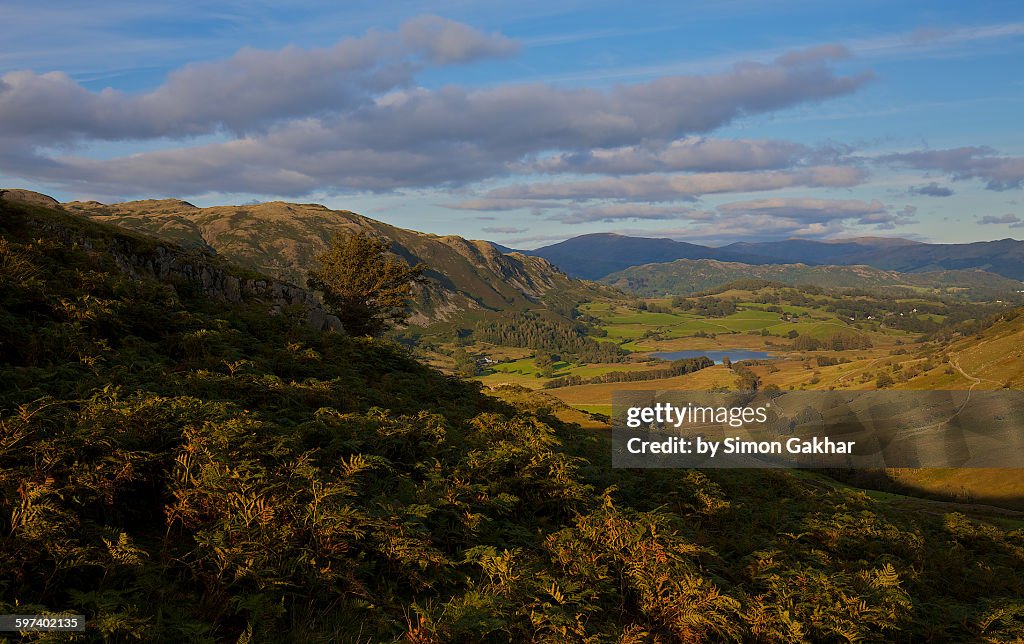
(688, 276)
(282, 239)
(598, 255)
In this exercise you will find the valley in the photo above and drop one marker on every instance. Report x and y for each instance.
(808, 344)
(513, 318)
(168, 415)
(811, 345)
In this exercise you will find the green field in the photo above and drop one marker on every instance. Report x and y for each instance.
(621, 323)
(525, 371)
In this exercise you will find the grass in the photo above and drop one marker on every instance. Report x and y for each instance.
(524, 367)
(648, 318)
(526, 373)
(628, 331)
(588, 396)
(621, 323)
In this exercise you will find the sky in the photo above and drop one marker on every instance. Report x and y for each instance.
(531, 122)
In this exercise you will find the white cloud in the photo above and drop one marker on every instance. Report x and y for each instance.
(349, 117)
(504, 230)
(699, 154)
(805, 209)
(661, 187)
(626, 211)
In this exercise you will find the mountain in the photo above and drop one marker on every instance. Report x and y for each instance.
(687, 276)
(140, 257)
(281, 239)
(1004, 257)
(880, 242)
(596, 255)
(806, 251)
(178, 465)
(504, 249)
(26, 197)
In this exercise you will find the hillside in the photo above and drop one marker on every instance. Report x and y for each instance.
(182, 467)
(685, 277)
(989, 359)
(994, 357)
(598, 255)
(281, 240)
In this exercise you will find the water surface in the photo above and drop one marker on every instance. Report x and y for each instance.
(733, 354)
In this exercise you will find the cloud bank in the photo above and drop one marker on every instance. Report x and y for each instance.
(998, 173)
(352, 117)
(1013, 220)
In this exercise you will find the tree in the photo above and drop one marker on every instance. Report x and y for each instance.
(360, 284)
(465, 364)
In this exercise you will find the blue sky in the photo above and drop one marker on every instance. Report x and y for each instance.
(531, 122)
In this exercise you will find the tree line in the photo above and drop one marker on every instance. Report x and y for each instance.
(679, 367)
(529, 330)
(836, 342)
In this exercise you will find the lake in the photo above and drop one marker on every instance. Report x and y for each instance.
(734, 354)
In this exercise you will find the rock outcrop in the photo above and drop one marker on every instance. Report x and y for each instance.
(143, 256)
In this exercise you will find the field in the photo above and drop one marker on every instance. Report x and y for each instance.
(598, 397)
(526, 372)
(647, 331)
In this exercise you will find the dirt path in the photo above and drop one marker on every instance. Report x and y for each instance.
(860, 370)
(954, 361)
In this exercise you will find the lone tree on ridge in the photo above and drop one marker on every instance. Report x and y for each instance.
(365, 288)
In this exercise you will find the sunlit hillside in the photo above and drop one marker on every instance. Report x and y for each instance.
(281, 239)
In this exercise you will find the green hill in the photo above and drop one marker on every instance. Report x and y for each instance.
(688, 276)
(281, 240)
(181, 465)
